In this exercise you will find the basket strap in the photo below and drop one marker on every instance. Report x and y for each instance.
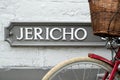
(114, 15)
(89, 0)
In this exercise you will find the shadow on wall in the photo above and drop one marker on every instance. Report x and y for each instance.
(23, 74)
(37, 74)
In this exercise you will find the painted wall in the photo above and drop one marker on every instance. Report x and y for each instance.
(45, 11)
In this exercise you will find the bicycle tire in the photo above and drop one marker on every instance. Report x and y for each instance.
(56, 70)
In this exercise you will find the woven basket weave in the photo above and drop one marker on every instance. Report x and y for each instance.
(105, 17)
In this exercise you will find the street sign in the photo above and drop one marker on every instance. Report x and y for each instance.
(51, 34)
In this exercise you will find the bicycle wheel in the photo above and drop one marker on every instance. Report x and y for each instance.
(79, 69)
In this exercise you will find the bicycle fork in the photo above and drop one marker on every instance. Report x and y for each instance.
(115, 67)
(113, 72)
(113, 64)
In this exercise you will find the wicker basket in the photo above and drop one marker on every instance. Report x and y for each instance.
(105, 17)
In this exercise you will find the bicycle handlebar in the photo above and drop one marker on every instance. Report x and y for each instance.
(112, 42)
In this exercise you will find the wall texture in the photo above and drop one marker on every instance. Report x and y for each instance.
(42, 11)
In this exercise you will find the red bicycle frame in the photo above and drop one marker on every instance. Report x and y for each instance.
(114, 64)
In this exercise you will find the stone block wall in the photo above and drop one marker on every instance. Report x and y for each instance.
(42, 11)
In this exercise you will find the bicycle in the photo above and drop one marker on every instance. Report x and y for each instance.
(93, 67)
